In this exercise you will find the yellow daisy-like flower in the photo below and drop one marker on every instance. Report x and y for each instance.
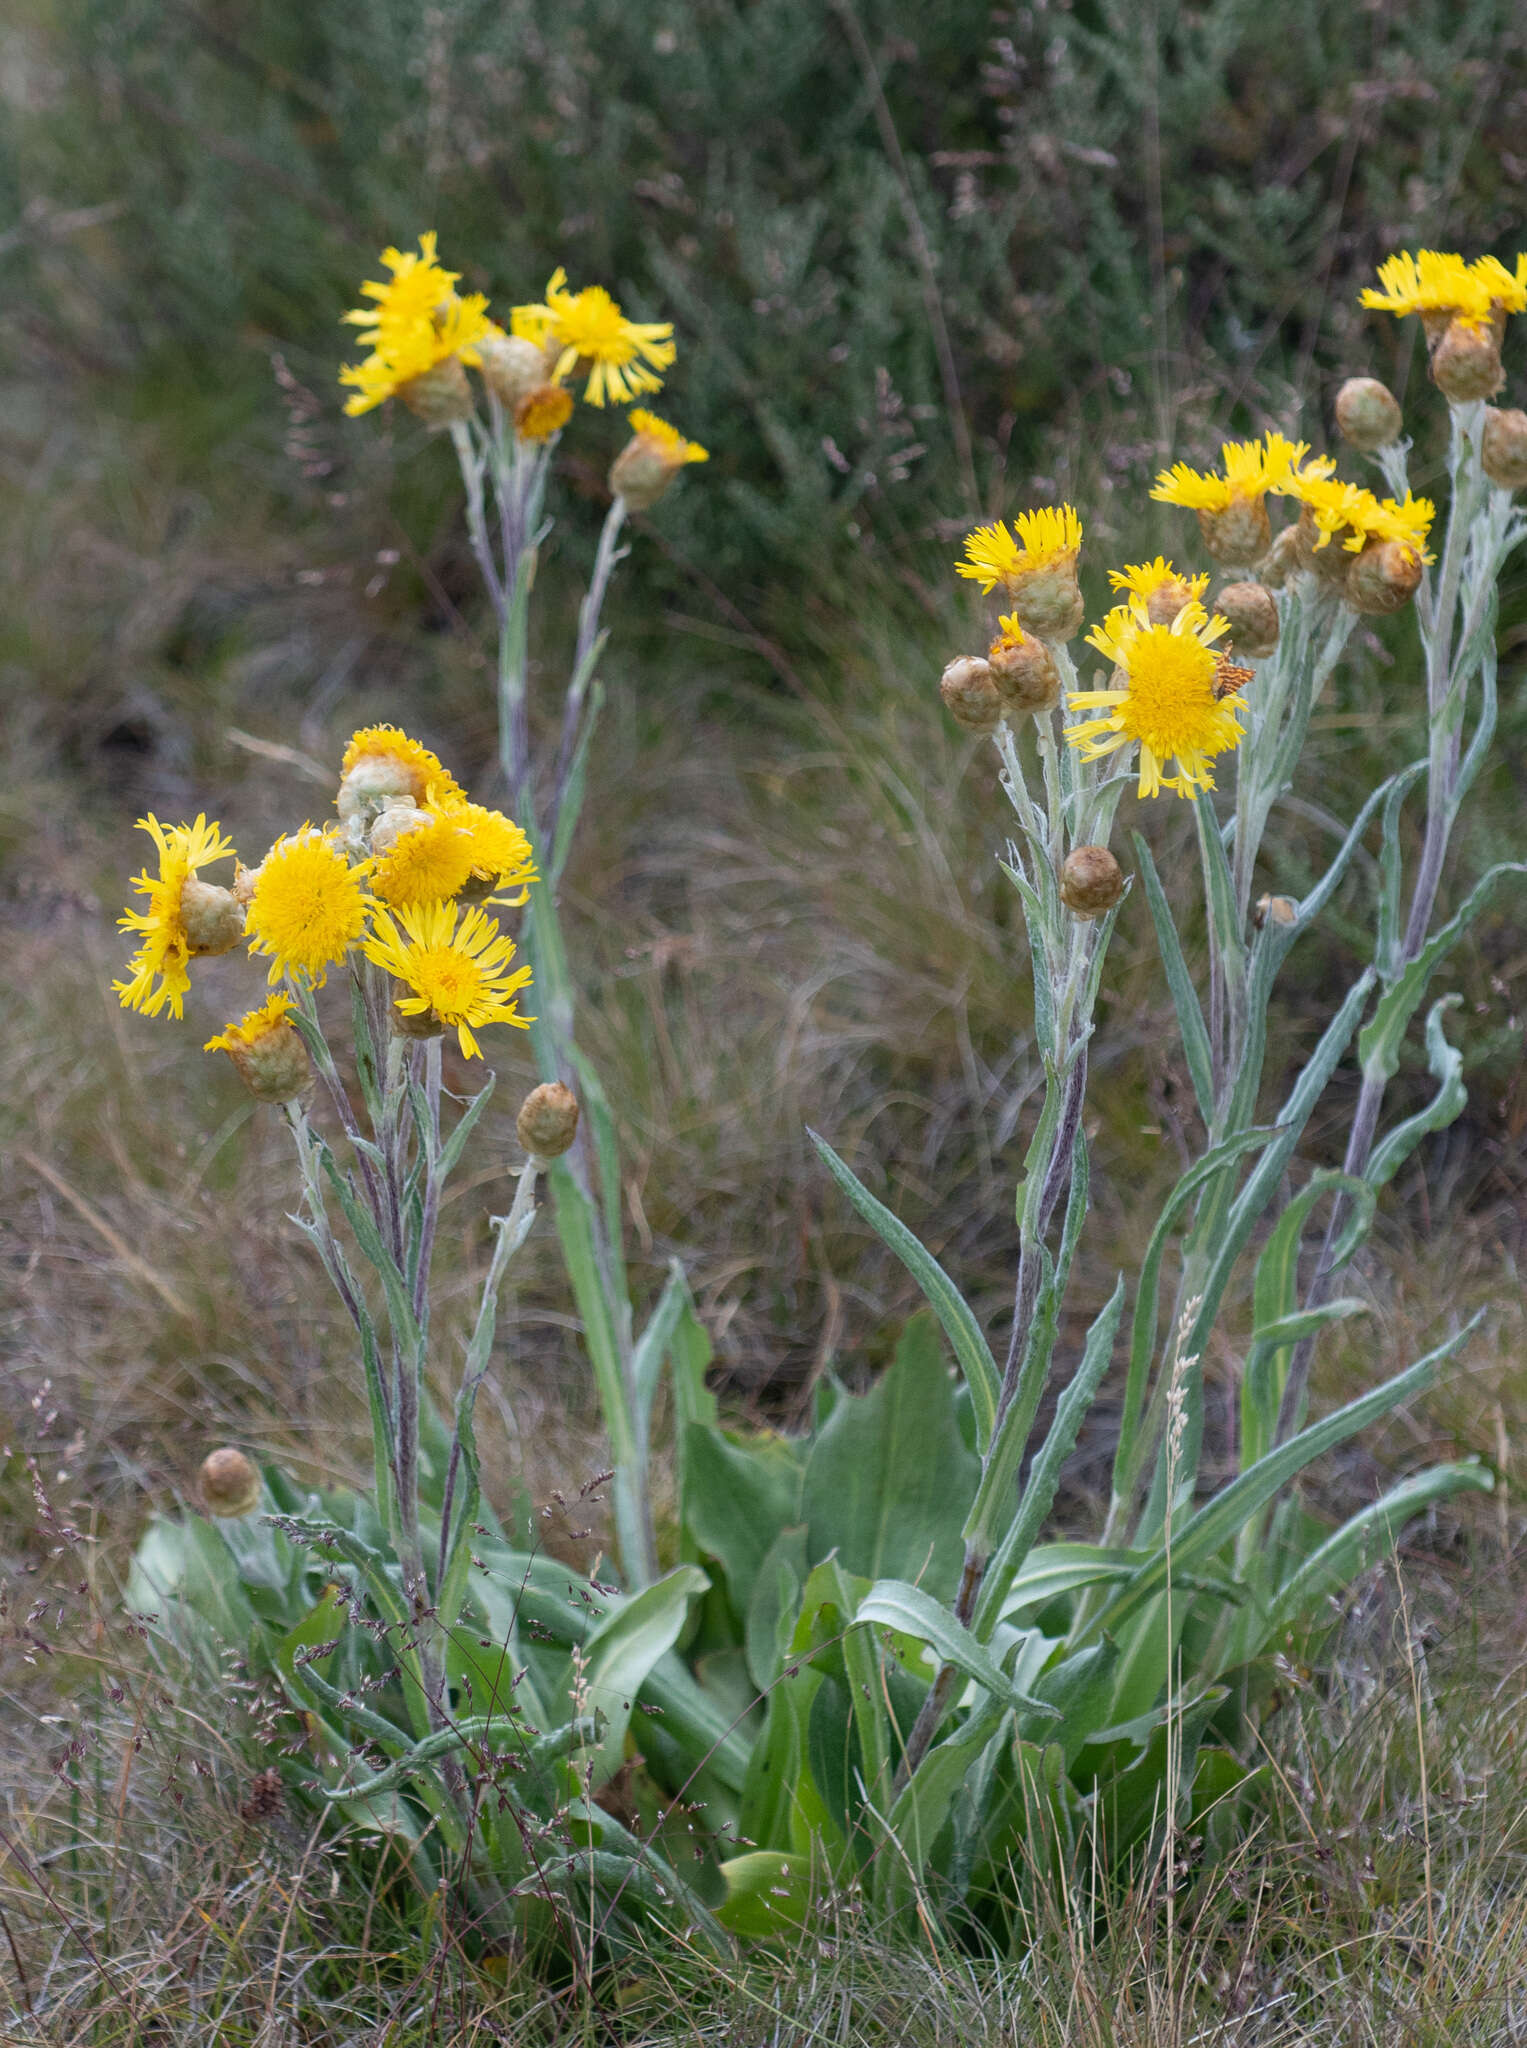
(1357, 516)
(1166, 700)
(1438, 285)
(417, 323)
(1144, 579)
(429, 859)
(1038, 540)
(382, 761)
(167, 946)
(460, 974)
(1252, 469)
(500, 852)
(676, 448)
(253, 1026)
(589, 330)
(308, 905)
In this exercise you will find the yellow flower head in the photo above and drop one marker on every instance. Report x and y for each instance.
(253, 1026)
(1252, 469)
(1440, 286)
(1166, 699)
(500, 852)
(417, 322)
(462, 974)
(429, 860)
(1039, 540)
(1357, 516)
(381, 760)
(543, 411)
(166, 945)
(589, 330)
(665, 441)
(1144, 579)
(308, 905)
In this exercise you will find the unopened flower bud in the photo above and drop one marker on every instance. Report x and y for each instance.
(1091, 881)
(1466, 362)
(511, 367)
(1280, 909)
(1368, 414)
(1168, 599)
(650, 460)
(1383, 577)
(373, 783)
(1253, 615)
(970, 694)
(1282, 560)
(1237, 535)
(1025, 674)
(211, 918)
(230, 1485)
(1047, 601)
(1503, 448)
(439, 396)
(543, 411)
(393, 822)
(548, 1120)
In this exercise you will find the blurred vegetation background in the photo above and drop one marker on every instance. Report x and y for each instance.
(925, 265)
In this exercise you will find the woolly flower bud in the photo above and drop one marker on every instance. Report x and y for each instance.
(1237, 535)
(230, 1485)
(400, 816)
(1024, 671)
(1329, 561)
(970, 694)
(1383, 577)
(650, 460)
(439, 396)
(1368, 414)
(211, 918)
(1047, 601)
(1466, 362)
(1284, 559)
(548, 1120)
(1503, 448)
(1253, 617)
(511, 367)
(1091, 881)
(1168, 599)
(1280, 909)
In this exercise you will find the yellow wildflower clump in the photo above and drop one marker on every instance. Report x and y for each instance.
(460, 975)
(183, 916)
(1035, 563)
(593, 337)
(1349, 515)
(420, 333)
(1462, 308)
(308, 905)
(432, 854)
(1165, 696)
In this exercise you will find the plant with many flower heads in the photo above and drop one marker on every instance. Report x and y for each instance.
(889, 1682)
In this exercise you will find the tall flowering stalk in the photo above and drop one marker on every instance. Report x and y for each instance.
(505, 432)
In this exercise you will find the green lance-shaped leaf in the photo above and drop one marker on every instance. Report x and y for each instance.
(1379, 1045)
(653, 1345)
(1190, 1016)
(1484, 730)
(917, 1818)
(737, 1499)
(1386, 952)
(466, 1123)
(577, 775)
(621, 1651)
(943, 1297)
(1131, 1450)
(1367, 1536)
(1445, 1064)
(1044, 1475)
(889, 1479)
(1275, 1294)
(911, 1611)
(1051, 1569)
(1215, 1524)
(769, 1894)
